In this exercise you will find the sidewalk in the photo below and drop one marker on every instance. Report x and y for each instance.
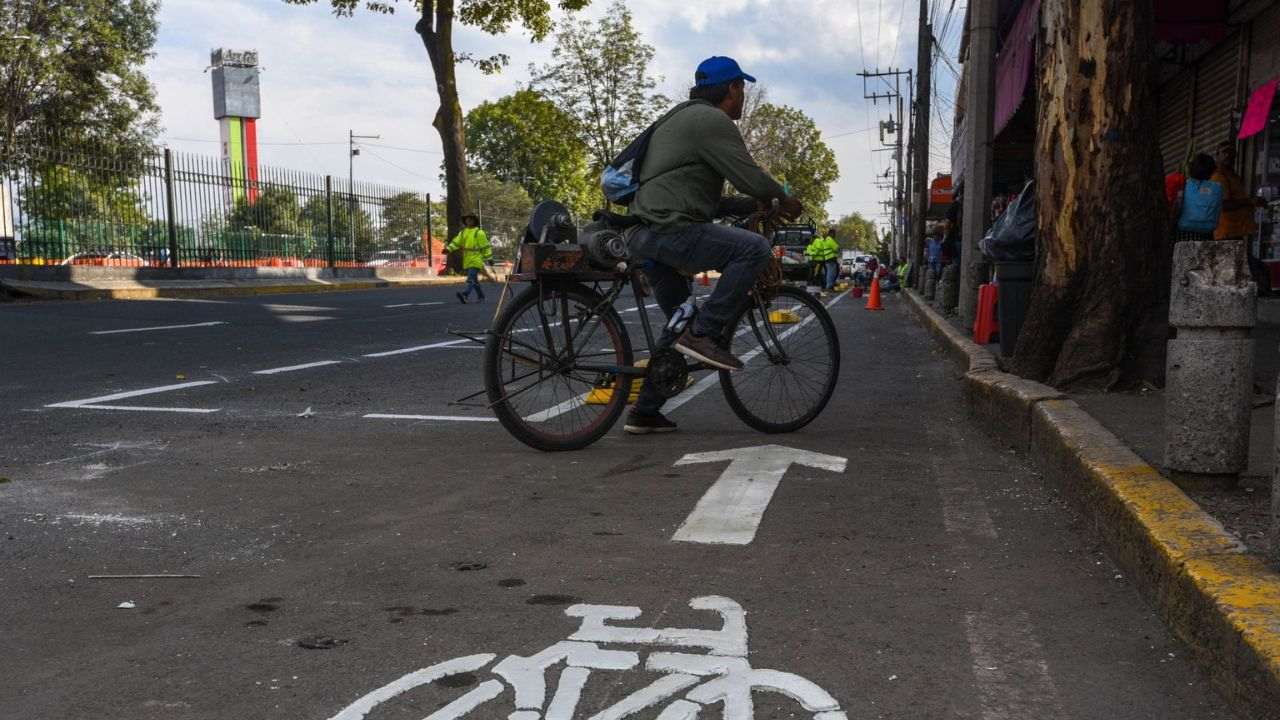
(1216, 593)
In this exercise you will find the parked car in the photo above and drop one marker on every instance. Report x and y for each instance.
(383, 258)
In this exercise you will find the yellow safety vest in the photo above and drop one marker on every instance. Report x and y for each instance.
(475, 248)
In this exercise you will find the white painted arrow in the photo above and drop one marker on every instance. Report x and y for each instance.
(730, 512)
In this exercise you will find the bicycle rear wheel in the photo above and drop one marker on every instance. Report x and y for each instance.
(544, 366)
(791, 359)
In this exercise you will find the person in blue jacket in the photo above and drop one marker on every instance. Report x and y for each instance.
(1201, 201)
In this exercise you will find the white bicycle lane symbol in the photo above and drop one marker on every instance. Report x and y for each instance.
(723, 676)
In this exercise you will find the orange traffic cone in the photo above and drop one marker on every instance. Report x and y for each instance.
(873, 298)
(705, 280)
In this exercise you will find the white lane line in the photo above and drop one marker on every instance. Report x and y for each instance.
(442, 418)
(416, 348)
(1009, 666)
(646, 307)
(554, 412)
(714, 378)
(132, 393)
(158, 327)
(143, 408)
(302, 318)
(421, 304)
(295, 308)
(291, 368)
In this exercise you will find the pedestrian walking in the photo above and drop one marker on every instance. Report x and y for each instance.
(476, 251)
(1201, 201)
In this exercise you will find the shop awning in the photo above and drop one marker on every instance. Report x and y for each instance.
(1014, 64)
(1259, 109)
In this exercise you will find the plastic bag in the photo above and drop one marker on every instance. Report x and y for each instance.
(1012, 236)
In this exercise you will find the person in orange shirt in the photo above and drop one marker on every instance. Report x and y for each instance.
(1237, 207)
(1236, 221)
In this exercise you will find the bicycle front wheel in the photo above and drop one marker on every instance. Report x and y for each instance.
(550, 366)
(791, 358)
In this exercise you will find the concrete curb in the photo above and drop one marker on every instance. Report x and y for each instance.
(69, 291)
(1223, 603)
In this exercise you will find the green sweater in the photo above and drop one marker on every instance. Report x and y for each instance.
(691, 155)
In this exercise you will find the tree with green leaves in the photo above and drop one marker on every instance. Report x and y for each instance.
(788, 144)
(599, 75)
(435, 26)
(275, 212)
(73, 70)
(404, 220)
(521, 138)
(854, 232)
(315, 214)
(503, 209)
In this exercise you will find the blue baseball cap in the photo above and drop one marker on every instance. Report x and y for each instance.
(719, 69)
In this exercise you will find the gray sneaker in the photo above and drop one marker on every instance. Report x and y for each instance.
(706, 351)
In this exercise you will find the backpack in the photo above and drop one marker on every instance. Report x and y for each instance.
(620, 180)
(1201, 206)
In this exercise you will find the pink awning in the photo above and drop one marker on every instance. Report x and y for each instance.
(1255, 116)
(1014, 64)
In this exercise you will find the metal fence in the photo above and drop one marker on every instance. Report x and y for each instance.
(158, 208)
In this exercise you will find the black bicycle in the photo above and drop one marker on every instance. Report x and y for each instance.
(559, 366)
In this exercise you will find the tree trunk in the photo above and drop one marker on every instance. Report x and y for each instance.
(437, 37)
(1098, 313)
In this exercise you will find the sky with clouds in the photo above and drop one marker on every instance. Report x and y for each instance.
(324, 75)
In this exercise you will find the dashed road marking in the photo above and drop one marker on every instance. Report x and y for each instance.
(1008, 663)
(421, 304)
(441, 418)
(98, 403)
(302, 318)
(416, 348)
(291, 368)
(158, 327)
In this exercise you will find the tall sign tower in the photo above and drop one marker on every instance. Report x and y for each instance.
(237, 106)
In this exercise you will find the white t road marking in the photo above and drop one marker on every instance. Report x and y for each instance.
(96, 403)
(730, 512)
(291, 368)
(158, 327)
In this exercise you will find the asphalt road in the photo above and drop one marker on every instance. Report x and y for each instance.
(935, 576)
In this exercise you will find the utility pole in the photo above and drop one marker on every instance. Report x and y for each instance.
(924, 78)
(895, 127)
(352, 152)
(980, 101)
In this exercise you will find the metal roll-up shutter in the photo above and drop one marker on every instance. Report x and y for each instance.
(1175, 120)
(1264, 63)
(1217, 101)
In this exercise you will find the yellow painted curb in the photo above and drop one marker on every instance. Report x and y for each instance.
(1223, 603)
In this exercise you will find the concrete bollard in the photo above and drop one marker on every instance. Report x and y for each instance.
(948, 294)
(1209, 393)
(930, 284)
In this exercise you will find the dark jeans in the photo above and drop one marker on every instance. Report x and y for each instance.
(473, 283)
(740, 255)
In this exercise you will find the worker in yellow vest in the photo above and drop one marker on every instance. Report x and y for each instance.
(476, 251)
(822, 252)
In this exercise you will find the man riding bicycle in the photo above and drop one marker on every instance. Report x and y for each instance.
(693, 151)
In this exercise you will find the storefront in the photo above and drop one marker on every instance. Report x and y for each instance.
(1260, 135)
